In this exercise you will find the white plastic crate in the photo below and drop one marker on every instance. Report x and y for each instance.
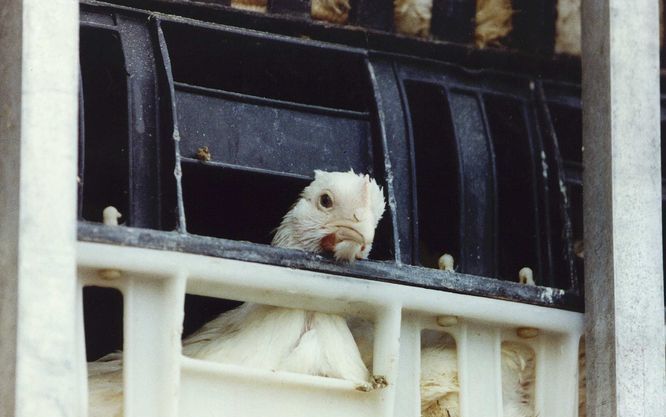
(159, 381)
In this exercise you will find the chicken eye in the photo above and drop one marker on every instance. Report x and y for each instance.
(326, 201)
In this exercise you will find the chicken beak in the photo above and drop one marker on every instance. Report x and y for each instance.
(362, 232)
(348, 240)
(346, 233)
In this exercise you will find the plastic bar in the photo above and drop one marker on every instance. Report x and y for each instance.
(252, 282)
(152, 345)
(479, 371)
(557, 364)
(386, 354)
(408, 402)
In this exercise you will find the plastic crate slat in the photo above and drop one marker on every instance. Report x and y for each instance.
(152, 345)
(266, 101)
(478, 223)
(145, 193)
(169, 118)
(223, 165)
(396, 155)
(409, 402)
(479, 371)
(557, 357)
(269, 138)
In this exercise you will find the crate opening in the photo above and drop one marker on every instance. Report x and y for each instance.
(439, 374)
(568, 124)
(518, 375)
(248, 206)
(436, 171)
(103, 327)
(103, 321)
(517, 188)
(575, 195)
(265, 68)
(200, 309)
(566, 197)
(237, 205)
(104, 81)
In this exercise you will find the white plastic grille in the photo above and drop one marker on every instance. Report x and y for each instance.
(159, 381)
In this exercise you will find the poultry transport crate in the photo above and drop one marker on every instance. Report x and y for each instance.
(201, 124)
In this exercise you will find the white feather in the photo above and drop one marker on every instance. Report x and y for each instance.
(440, 387)
(280, 339)
(105, 386)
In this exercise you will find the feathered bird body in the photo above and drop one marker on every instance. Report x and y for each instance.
(439, 382)
(337, 213)
(440, 387)
(281, 339)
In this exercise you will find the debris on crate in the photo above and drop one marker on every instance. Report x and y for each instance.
(203, 154)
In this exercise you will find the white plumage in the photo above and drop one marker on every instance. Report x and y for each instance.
(338, 213)
(440, 387)
(280, 339)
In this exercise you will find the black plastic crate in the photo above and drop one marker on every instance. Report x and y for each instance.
(221, 122)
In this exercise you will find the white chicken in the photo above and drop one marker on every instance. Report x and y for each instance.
(440, 387)
(439, 371)
(338, 213)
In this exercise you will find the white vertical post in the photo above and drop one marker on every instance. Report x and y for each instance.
(153, 320)
(622, 202)
(479, 370)
(386, 347)
(38, 134)
(556, 366)
(407, 402)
